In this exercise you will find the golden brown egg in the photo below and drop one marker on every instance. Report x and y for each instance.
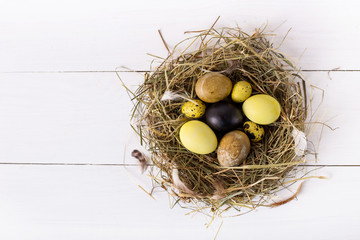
(233, 149)
(213, 87)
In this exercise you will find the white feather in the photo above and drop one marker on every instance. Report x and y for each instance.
(300, 141)
(178, 183)
(169, 95)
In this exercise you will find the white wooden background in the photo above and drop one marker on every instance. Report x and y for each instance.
(64, 132)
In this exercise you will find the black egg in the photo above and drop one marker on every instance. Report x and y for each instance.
(223, 116)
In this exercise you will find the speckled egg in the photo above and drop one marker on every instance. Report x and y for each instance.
(194, 108)
(262, 109)
(241, 91)
(213, 87)
(198, 137)
(255, 132)
(233, 148)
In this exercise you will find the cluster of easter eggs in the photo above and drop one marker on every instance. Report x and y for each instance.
(214, 115)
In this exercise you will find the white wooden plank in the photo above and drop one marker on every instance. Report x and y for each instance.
(84, 118)
(338, 109)
(87, 202)
(81, 118)
(44, 35)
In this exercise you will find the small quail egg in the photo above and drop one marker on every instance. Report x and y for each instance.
(193, 108)
(241, 91)
(254, 131)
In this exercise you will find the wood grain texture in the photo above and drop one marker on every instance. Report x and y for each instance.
(87, 202)
(70, 118)
(55, 35)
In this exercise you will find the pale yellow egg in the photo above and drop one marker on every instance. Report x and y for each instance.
(241, 91)
(262, 109)
(198, 137)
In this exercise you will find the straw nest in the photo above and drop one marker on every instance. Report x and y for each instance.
(199, 180)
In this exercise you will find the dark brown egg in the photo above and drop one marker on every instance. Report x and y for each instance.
(223, 117)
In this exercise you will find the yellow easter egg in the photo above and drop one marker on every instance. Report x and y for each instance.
(262, 109)
(255, 132)
(193, 109)
(198, 137)
(241, 91)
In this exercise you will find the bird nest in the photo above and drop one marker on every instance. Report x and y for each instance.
(198, 180)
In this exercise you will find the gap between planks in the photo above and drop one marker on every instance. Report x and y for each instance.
(137, 165)
(145, 71)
